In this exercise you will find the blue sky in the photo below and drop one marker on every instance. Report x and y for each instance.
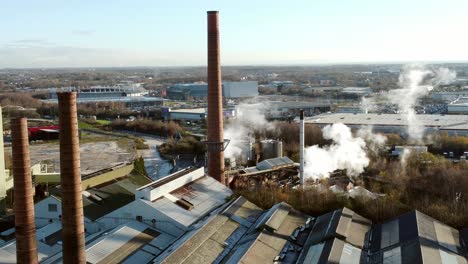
(99, 33)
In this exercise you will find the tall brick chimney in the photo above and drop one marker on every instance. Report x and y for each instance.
(215, 102)
(70, 178)
(25, 228)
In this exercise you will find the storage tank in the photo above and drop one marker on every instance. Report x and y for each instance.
(271, 148)
(246, 153)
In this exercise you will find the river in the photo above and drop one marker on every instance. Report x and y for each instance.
(155, 165)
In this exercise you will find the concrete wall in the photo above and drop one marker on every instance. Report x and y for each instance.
(150, 194)
(107, 176)
(86, 183)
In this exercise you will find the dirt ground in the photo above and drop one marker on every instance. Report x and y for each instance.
(94, 155)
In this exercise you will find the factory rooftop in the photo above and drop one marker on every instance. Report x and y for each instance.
(270, 164)
(242, 233)
(133, 242)
(187, 217)
(416, 238)
(441, 122)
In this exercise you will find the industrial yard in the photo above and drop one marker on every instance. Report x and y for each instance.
(93, 156)
(231, 163)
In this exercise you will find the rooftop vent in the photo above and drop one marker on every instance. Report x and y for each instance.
(184, 204)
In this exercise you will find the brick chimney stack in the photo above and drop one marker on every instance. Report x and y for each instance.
(215, 102)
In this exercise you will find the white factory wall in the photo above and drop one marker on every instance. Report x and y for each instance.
(43, 215)
(240, 89)
(129, 213)
(151, 194)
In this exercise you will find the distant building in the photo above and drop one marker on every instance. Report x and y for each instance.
(395, 123)
(282, 83)
(231, 90)
(195, 114)
(448, 96)
(400, 150)
(350, 109)
(133, 96)
(43, 133)
(356, 91)
(286, 110)
(192, 114)
(458, 106)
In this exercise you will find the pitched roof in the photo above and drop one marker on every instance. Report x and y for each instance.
(416, 237)
(216, 235)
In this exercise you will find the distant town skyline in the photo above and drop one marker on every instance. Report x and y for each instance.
(53, 33)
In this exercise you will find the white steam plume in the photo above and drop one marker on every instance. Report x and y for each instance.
(416, 81)
(347, 152)
(374, 141)
(250, 117)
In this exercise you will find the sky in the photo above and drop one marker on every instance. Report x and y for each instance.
(130, 33)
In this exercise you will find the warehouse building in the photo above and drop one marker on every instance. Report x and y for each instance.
(396, 123)
(458, 106)
(195, 114)
(231, 90)
(448, 96)
(415, 238)
(132, 95)
(285, 110)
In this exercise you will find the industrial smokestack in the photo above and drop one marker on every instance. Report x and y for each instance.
(70, 178)
(301, 146)
(25, 228)
(215, 103)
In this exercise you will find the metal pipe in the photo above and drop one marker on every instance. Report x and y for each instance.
(301, 146)
(215, 104)
(25, 228)
(70, 180)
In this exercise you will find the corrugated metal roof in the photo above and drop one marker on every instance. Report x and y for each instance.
(274, 163)
(205, 194)
(123, 242)
(420, 237)
(214, 238)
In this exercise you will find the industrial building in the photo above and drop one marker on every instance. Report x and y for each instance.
(416, 238)
(449, 96)
(196, 114)
(230, 90)
(132, 95)
(241, 232)
(458, 106)
(396, 123)
(356, 91)
(286, 110)
(191, 216)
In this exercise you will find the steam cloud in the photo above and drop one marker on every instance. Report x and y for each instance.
(347, 152)
(250, 117)
(416, 81)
